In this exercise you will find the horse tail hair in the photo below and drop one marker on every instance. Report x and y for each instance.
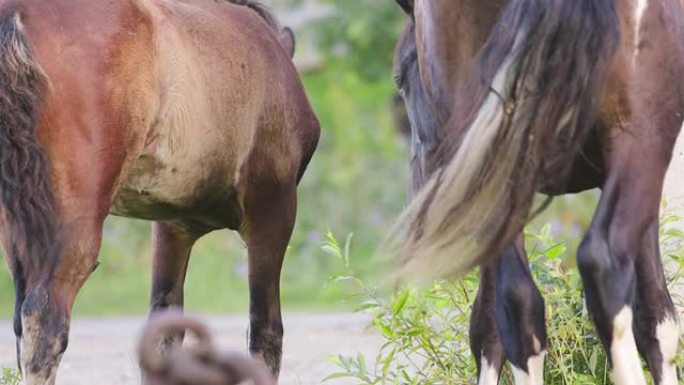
(26, 197)
(539, 80)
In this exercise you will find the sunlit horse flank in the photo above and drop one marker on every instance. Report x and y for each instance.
(520, 106)
(187, 113)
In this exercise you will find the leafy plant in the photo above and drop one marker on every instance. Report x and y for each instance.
(425, 331)
(9, 377)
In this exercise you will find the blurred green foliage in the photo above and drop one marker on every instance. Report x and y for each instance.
(360, 35)
(9, 377)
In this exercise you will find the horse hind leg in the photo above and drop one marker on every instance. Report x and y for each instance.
(45, 313)
(270, 211)
(611, 251)
(172, 243)
(656, 326)
(519, 313)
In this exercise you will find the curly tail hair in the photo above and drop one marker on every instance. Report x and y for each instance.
(26, 198)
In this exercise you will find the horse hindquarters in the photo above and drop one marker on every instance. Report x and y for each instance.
(83, 129)
(49, 263)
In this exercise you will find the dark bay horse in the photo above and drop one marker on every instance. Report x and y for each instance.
(188, 113)
(507, 98)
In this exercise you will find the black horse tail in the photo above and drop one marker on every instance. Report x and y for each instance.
(542, 71)
(26, 198)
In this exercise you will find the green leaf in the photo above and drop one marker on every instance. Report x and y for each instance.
(361, 364)
(389, 360)
(347, 248)
(593, 360)
(336, 376)
(556, 251)
(366, 306)
(400, 302)
(332, 251)
(340, 278)
(384, 329)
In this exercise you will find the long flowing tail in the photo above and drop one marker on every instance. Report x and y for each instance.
(26, 197)
(542, 71)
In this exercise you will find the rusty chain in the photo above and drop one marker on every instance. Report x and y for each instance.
(199, 364)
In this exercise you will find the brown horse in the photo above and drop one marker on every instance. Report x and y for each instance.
(187, 113)
(551, 96)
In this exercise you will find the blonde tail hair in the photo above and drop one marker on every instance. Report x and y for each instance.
(541, 71)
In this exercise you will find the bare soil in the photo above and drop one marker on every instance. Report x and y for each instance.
(103, 351)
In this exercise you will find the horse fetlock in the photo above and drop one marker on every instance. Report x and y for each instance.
(45, 377)
(489, 373)
(165, 298)
(623, 351)
(668, 334)
(533, 374)
(266, 345)
(43, 339)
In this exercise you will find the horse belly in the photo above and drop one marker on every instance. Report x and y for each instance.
(183, 173)
(164, 191)
(210, 121)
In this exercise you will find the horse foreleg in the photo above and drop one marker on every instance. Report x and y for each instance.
(656, 328)
(172, 243)
(508, 320)
(270, 217)
(485, 342)
(519, 313)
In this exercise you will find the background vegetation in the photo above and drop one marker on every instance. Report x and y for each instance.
(425, 331)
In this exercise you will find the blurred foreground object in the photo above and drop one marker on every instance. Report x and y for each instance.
(198, 364)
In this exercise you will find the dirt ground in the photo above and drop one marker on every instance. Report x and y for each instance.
(103, 351)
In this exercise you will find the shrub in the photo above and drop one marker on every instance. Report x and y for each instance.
(425, 331)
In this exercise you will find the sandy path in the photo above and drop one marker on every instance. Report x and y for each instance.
(102, 351)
